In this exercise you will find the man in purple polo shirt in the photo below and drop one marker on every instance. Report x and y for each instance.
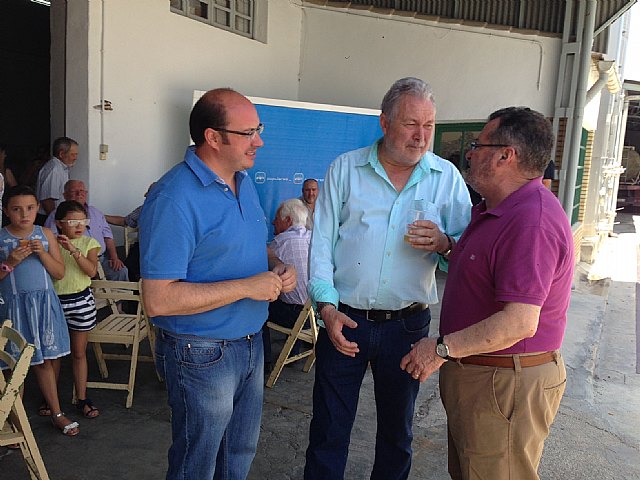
(504, 310)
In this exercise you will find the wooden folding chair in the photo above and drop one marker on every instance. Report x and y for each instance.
(119, 328)
(13, 417)
(130, 237)
(298, 332)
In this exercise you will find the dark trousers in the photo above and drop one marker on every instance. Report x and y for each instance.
(284, 314)
(337, 387)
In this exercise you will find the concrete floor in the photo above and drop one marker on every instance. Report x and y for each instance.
(596, 434)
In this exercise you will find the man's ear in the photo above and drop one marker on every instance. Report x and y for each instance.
(508, 154)
(212, 138)
(384, 123)
(288, 222)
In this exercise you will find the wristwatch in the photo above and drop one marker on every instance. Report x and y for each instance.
(442, 349)
(5, 267)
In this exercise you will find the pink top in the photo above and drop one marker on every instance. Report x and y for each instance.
(521, 251)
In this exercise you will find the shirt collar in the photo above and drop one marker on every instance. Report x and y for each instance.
(204, 173)
(514, 198)
(64, 165)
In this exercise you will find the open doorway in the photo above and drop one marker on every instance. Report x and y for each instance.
(25, 117)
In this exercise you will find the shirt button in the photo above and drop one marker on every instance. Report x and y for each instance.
(226, 189)
(388, 254)
(384, 281)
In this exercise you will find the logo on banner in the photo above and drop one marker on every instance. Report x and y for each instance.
(260, 177)
(298, 178)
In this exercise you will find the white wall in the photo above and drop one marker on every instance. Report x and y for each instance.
(153, 60)
(351, 58)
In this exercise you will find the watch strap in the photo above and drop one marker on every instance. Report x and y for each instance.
(5, 267)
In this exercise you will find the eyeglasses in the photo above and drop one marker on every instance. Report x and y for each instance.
(76, 223)
(251, 134)
(476, 145)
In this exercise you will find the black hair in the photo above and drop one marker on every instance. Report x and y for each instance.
(18, 191)
(69, 206)
(208, 112)
(529, 132)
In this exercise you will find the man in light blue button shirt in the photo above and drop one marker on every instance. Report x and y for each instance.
(372, 287)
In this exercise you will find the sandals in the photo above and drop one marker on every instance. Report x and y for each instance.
(93, 412)
(70, 429)
(44, 410)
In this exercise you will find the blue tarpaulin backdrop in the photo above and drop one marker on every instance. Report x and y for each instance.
(300, 143)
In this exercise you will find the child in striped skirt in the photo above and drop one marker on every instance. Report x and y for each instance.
(80, 255)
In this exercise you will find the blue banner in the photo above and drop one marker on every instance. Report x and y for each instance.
(300, 143)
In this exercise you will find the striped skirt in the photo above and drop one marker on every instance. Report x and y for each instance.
(79, 310)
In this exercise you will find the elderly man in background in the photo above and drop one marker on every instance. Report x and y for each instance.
(98, 228)
(371, 286)
(54, 175)
(309, 197)
(504, 309)
(291, 245)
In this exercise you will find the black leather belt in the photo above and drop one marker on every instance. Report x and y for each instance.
(383, 315)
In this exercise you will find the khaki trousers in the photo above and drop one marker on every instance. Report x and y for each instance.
(499, 418)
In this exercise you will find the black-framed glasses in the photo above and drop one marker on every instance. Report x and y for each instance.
(250, 134)
(476, 145)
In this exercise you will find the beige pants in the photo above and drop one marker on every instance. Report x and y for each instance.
(499, 418)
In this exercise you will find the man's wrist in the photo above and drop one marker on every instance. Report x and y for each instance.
(322, 305)
(449, 246)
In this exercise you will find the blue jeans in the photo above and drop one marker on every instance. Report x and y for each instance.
(337, 387)
(215, 395)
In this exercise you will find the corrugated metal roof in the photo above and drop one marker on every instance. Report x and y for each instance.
(535, 16)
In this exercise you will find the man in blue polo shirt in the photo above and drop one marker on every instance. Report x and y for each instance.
(206, 283)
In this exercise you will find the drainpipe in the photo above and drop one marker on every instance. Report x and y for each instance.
(578, 115)
(604, 67)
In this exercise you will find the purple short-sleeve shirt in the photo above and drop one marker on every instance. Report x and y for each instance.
(521, 251)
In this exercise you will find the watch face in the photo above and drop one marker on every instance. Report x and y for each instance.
(442, 350)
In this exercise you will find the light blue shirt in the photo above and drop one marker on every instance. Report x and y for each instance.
(358, 254)
(51, 179)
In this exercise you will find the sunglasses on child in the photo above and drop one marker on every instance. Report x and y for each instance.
(76, 223)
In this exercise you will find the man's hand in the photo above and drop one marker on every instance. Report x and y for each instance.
(334, 321)
(264, 286)
(288, 276)
(116, 264)
(425, 235)
(422, 360)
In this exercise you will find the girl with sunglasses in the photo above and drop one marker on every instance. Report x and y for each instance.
(80, 255)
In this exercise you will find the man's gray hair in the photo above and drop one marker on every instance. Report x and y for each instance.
(294, 209)
(69, 183)
(405, 86)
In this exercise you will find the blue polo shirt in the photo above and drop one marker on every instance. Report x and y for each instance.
(194, 229)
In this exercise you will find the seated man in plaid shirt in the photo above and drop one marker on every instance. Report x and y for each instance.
(291, 245)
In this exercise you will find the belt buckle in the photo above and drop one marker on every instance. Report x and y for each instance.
(387, 315)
